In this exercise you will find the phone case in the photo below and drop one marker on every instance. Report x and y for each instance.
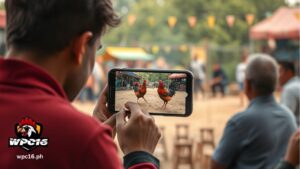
(189, 89)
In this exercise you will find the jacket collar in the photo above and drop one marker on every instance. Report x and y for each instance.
(26, 75)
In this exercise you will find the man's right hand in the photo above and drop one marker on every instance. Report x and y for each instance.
(139, 133)
(292, 154)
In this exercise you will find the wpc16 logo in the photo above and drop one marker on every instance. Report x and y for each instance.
(28, 135)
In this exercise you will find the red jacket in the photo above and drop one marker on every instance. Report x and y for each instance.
(41, 129)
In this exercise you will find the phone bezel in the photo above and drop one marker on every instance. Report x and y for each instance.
(189, 89)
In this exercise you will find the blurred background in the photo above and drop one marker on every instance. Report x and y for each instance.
(204, 37)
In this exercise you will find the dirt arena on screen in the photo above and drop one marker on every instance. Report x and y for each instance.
(175, 106)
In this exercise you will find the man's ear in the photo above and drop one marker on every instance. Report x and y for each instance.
(247, 87)
(80, 45)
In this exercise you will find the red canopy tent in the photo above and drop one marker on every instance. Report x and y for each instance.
(283, 24)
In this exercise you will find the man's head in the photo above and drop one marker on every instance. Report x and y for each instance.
(286, 71)
(216, 67)
(261, 75)
(195, 57)
(68, 29)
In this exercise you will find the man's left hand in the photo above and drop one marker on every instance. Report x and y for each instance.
(102, 113)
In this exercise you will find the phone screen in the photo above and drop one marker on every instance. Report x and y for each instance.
(156, 92)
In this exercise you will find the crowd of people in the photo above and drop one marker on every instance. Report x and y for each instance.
(50, 57)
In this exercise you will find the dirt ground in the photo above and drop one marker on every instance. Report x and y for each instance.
(175, 106)
(208, 113)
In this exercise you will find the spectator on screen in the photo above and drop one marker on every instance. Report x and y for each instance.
(257, 137)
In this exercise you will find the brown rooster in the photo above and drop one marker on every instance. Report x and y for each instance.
(140, 90)
(166, 94)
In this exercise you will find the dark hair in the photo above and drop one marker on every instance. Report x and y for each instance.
(48, 26)
(288, 66)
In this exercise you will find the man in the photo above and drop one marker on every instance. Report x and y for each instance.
(257, 137)
(219, 80)
(240, 76)
(51, 52)
(290, 82)
(198, 70)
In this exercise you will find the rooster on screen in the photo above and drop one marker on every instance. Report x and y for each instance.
(140, 90)
(166, 94)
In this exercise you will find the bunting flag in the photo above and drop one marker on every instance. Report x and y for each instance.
(230, 19)
(211, 21)
(131, 19)
(250, 19)
(155, 49)
(297, 15)
(183, 48)
(192, 20)
(167, 49)
(151, 21)
(172, 20)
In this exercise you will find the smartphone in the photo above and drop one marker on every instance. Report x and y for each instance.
(160, 92)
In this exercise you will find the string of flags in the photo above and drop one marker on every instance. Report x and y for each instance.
(155, 49)
(182, 48)
(192, 20)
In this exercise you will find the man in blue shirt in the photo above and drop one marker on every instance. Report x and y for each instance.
(290, 82)
(257, 137)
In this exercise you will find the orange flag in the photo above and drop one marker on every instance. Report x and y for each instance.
(250, 19)
(131, 19)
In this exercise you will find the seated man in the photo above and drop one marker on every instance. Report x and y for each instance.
(290, 83)
(51, 52)
(219, 80)
(257, 137)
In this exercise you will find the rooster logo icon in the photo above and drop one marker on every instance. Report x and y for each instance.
(27, 128)
(28, 132)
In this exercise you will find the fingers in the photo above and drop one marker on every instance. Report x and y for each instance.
(99, 116)
(134, 108)
(103, 95)
(296, 135)
(120, 119)
(101, 111)
(111, 121)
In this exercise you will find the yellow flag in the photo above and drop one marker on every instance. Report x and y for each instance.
(167, 49)
(151, 21)
(155, 49)
(211, 21)
(183, 48)
(172, 20)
